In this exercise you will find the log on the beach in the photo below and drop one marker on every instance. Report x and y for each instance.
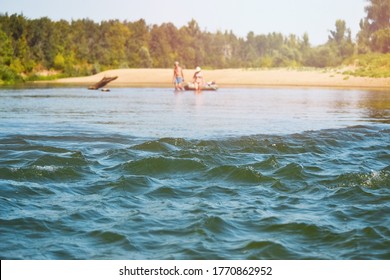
(102, 82)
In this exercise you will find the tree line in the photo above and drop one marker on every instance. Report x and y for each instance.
(83, 47)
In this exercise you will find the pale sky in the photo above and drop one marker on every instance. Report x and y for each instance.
(316, 17)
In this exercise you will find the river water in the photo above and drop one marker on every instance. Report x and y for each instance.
(140, 173)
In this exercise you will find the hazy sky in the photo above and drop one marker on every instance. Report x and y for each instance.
(316, 17)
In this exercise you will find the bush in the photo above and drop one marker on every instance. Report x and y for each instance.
(59, 62)
(322, 56)
(8, 76)
(373, 65)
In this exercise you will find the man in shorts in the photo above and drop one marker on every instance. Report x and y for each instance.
(178, 77)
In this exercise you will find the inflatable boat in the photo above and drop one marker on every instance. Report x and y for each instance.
(207, 86)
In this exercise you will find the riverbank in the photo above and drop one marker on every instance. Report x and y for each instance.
(236, 78)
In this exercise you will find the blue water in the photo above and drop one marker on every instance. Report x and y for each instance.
(233, 174)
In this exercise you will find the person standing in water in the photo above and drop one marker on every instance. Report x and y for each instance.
(178, 76)
(198, 79)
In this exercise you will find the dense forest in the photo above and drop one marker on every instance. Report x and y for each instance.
(82, 47)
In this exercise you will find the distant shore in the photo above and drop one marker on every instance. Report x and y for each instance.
(280, 77)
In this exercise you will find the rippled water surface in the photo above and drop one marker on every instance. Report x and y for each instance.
(232, 174)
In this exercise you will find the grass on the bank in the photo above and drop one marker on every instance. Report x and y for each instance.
(9, 77)
(372, 65)
(34, 77)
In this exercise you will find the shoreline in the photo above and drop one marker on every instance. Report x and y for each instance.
(225, 78)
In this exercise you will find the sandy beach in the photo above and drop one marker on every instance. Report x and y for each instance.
(236, 78)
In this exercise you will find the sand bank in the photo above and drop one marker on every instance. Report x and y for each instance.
(237, 78)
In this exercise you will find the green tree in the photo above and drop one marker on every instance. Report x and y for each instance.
(145, 58)
(7, 74)
(305, 44)
(341, 40)
(160, 47)
(378, 14)
(375, 28)
(6, 50)
(116, 39)
(59, 62)
(381, 40)
(363, 37)
(41, 41)
(322, 56)
(190, 44)
(137, 50)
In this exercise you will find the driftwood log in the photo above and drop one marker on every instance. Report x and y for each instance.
(102, 82)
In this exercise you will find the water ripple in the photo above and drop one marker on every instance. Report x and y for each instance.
(312, 195)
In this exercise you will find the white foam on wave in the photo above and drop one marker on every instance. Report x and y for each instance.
(49, 168)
